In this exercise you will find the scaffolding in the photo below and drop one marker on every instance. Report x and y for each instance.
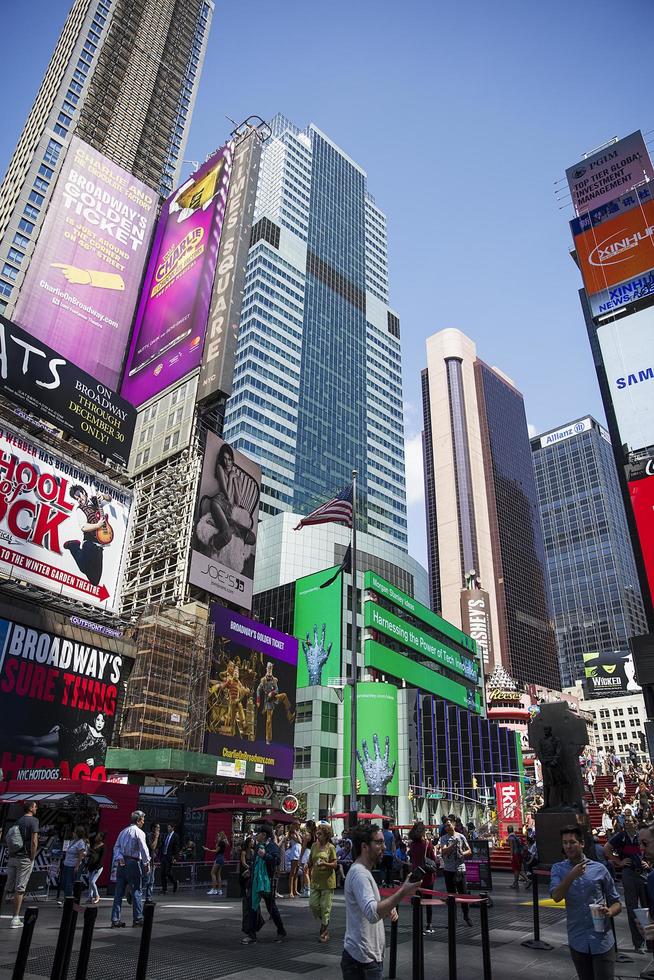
(165, 705)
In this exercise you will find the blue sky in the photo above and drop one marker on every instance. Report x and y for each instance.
(464, 116)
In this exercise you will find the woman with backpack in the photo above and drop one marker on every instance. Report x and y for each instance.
(94, 865)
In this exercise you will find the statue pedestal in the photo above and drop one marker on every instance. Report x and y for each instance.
(548, 833)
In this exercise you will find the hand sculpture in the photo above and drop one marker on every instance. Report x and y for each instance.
(316, 655)
(376, 771)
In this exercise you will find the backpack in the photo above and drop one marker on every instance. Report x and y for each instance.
(14, 840)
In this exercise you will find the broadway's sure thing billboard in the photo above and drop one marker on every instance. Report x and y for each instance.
(61, 528)
(251, 697)
(225, 524)
(627, 347)
(609, 172)
(377, 748)
(618, 250)
(609, 673)
(642, 503)
(171, 319)
(317, 625)
(82, 284)
(58, 701)
(36, 377)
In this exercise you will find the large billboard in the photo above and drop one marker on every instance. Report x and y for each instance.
(609, 673)
(618, 250)
(610, 172)
(62, 528)
(171, 319)
(318, 625)
(36, 377)
(377, 748)
(251, 696)
(509, 807)
(476, 621)
(225, 524)
(82, 284)
(642, 503)
(627, 347)
(58, 699)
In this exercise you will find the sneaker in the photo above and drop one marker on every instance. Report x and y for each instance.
(247, 941)
(641, 950)
(16, 922)
(117, 925)
(219, 892)
(136, 923)
(212, 891)
(281, 937)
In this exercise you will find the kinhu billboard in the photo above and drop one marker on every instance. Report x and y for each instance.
(317, 626)
(377, 748)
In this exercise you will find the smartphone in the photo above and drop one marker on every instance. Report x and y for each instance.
(417, 874)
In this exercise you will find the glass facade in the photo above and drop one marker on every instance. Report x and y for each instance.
(523, 604)
(596, 597)
(317, 383)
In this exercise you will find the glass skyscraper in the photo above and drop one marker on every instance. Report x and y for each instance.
(596, 597)
(317, 384)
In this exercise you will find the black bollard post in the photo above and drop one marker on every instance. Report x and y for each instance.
(392, 958)
(70, 939)
(536, 942)
(90, 916)
(417, 965)
(29, 921)
(485, 941)
(146, 939)
(451, 936)
(62, 939)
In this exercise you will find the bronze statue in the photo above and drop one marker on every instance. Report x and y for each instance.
(558, 735)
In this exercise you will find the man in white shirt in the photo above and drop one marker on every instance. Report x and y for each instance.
(365, 910)
(132, 859)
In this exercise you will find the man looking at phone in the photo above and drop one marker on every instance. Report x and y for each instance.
(454, 851)
(365, 910)
(623, 851)
(583, 883)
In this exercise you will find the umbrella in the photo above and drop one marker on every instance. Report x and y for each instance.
(360, 816)
(233, 807)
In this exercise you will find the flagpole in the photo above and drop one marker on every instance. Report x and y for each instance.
(355, 661)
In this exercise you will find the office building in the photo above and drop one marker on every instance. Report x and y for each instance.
(317, 383)
(483, 524)
(596, 598)
(123, 78)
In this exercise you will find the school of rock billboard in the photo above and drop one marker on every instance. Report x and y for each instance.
(225, 524)
(61, 528)
(171, 319)
(82, 284)
(58, 702)
(251, 696)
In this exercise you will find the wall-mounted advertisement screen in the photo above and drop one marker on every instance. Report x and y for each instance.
(377, 748)
(424, 675)
(62, 528)
(171, 319)
(225, 524)
(58, 699)
(317, 626)
(251, 696)
(627, 347)
(642, 503)
(82, 284)
(609, 673)
(611, 171)
(618, 250)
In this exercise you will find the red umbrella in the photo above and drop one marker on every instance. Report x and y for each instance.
(360, 816)
(233, 807)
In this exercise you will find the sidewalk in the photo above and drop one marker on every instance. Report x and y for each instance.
(197, 936)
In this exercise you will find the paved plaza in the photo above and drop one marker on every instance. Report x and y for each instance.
(196, 937)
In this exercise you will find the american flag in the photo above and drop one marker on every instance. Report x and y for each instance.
(338, 510)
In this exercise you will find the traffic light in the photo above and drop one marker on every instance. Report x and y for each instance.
(410, 793)
(358, 784)
(475, 784)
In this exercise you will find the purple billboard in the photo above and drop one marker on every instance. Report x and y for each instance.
(82, 284)
(171, 320)
(251, 694)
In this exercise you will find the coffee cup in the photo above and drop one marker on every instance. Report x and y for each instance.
(599, 920)
(642, 917)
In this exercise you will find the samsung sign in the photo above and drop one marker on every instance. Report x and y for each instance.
(628, 353)
(566, 433)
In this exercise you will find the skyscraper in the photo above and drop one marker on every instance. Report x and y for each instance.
(123, 78)
(317, 383)
(482, 508)
(596, 597)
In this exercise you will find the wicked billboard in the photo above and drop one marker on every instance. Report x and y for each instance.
(251, 695)
(58, 701)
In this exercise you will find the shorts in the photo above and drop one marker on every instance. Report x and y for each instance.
(516, 863)
(219, 860)
(19, 869)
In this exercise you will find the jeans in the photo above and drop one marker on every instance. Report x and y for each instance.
(387, 868)
(455, 881)
(130, 873)
(93, 889)
(148, 881)
(598, 967)
(353, 970)
(68, 876)
(635, 894)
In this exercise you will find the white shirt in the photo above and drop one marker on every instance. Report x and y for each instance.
(364, 930)
(131, 843)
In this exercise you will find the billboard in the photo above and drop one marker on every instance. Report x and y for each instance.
(642, 503)
(509, 807)
(610, 172)
(58, 700)
(36, 377)
(225, 523)
(317, 626)
(377, 747)
(618, 250)
(251, 696)
(171, 319)
(82, 284)
(476, 621)
(627, 347)
(62, 528)
(609, 673)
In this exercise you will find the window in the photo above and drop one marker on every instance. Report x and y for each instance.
(40, 183)
(303, 711)
(329, 717)
(36, 198)
(52, 152)
(175, 417)
(26, 226)
(14, 255)
(5, 288)
(171, 440)
(9, 271)
(303, 757)
(31, 212)
(60, 130)
(21, 240)
(327, 763)
(142, 458)
(146, 434)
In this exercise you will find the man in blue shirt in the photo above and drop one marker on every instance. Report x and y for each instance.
(389, 853)
(581, 883)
